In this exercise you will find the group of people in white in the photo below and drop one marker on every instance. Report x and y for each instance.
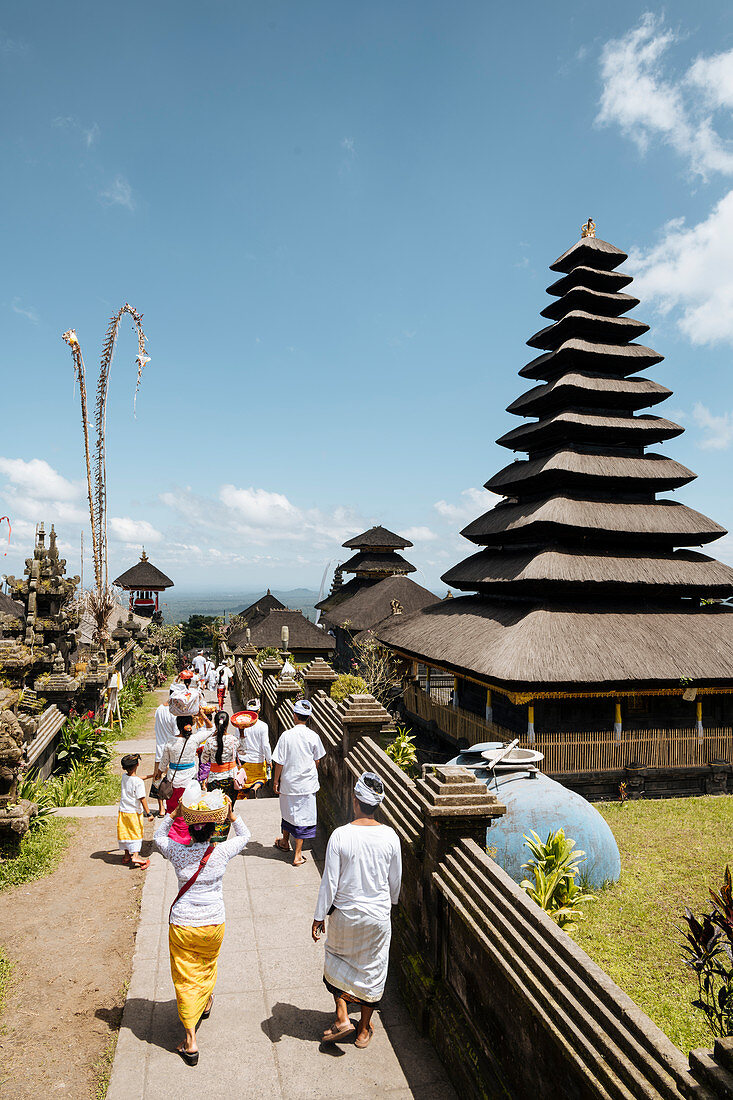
(362, 871)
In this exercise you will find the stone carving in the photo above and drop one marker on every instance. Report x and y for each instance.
(12, 739)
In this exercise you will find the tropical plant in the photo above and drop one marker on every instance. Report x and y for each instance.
(83, 742)
(133, 692)
(347, 684)
(264, 654)
(78, 787)
(402, 750)
(708, 951)
(553, 870)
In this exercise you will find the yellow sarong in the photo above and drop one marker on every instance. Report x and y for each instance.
(129, 827)
(256, 773)
(194, 953)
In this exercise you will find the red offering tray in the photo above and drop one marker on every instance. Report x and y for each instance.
(243, 719)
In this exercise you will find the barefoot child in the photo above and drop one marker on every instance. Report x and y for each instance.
(129, 818)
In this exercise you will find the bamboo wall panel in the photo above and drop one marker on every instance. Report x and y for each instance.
(566, 753)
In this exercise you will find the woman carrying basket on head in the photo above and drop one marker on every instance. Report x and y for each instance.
(220, 753)
(179, 764)
(197, 915)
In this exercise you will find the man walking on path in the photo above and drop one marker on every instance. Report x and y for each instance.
(361, 881)
(295, 780)
(165, 730)
(223, 676)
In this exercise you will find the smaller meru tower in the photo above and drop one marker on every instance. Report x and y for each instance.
(592, 602)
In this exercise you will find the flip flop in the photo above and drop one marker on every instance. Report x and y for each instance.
(191, 1058)
(300, 862)
(141, 866)
(282, 847)
(207, 1011)
(335, 1033)
(361, 1043)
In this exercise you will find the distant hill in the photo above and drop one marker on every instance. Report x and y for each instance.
(178, 608)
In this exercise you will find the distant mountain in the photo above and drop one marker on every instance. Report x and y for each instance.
(178, 608)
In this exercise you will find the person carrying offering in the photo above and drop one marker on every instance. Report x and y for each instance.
(179, 765)
(361, 881)
(254, 752)
(196, 918)
(130, 814)
(220, 753)
(295, 780)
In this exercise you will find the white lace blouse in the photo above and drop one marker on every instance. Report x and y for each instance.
(203, 903)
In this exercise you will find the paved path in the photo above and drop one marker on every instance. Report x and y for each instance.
(262, 1039)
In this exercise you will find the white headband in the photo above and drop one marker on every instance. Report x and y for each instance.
(303, 708)
(253, 704)
(366, 794)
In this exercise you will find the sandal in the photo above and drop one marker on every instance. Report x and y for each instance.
(361, 1043)
(207, 1011)
(300, 862)
(283, 847)
(141, 866)
(335, 1033)
(191, 1058)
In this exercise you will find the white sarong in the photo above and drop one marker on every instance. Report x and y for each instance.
(299, 809)
(357, 955)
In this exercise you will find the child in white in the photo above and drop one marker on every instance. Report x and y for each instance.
(129, 817)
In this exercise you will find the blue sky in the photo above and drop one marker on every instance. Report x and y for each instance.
(337, 220)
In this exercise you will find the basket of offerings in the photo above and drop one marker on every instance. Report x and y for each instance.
(199, 807)
(243, 719)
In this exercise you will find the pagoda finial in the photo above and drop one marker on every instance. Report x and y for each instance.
(589, 229)
(143, 556)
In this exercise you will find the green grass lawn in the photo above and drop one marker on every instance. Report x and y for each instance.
(672, 851)
(40, 852)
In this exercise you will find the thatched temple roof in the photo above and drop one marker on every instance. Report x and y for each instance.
(143, 575)
(377, 538)
(580, 576)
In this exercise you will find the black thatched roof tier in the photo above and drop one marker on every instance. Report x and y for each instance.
(578, 389)
(142, 576)
(304, 635)
(344, 592)
(592, 252)
(373, 603)
(262, 607)
(575, 427)
(605, 282)
(595, 472)
(578, 354)
(531, 571)
(588, 326)
(10, 607)
(377, 538)
(581, 521)
(534, 646)
(538, 522)
(373, 562)
(598, 302)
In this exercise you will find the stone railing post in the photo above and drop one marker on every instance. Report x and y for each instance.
(363, 717)
(287, 688)
(318, 675)
(455, 806)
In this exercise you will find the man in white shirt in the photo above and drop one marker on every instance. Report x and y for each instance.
(199, 663)
(295, 780)
(165, 730)
(361, 881)
(254, 753)
(223, 676)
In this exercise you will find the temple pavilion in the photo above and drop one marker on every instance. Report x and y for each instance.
(144, 582)
(591, 604)
(379, 589)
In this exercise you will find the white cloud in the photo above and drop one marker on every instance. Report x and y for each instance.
(261, 508)
(689, 271)
(88, 134)
(714, 76)
(24, 311)
(419, 534)
(135, 531)
(39, 480)
(119, 193)
(347, 144)
(11, 45)
(638, 97)
(718, 429)
(472, 503)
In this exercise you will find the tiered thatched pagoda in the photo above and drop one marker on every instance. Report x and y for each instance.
(591, 604)
(380, 585)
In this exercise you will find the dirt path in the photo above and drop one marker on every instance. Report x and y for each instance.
(71, 939)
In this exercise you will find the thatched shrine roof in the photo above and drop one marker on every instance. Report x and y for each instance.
(257, 610)
(304, 634)
(373, 603)
(580, 574)
(143, 575)
(344, 592)
(366, 562)
(377, 538)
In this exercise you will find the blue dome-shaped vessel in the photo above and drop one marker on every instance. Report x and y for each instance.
(534, 802)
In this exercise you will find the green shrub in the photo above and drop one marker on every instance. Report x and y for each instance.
(347, 684)
(554, 868)
(264, 654)
(38, 854)
(83, 742)
(82, 785)
(402, 750)
(708, 951)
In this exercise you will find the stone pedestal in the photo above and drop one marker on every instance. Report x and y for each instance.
(363, 717)
(318, 676)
